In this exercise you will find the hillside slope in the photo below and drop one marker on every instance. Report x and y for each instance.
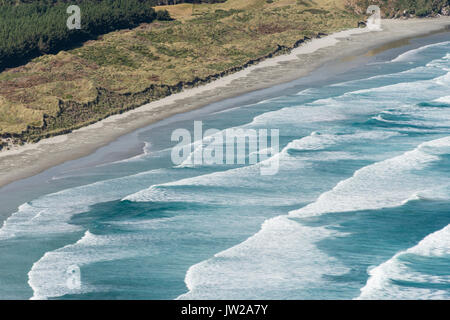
(54, 94)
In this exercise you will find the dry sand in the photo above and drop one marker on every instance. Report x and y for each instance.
(31, 159)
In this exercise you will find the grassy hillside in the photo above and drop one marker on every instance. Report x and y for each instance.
(54, 94)
(404, 8)
(30, 28)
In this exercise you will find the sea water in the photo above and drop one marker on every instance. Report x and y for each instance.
(359, 209)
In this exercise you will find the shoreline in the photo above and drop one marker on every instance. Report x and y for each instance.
(31, 159)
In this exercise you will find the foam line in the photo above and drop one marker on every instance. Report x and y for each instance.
(383, 278)
(383, 184)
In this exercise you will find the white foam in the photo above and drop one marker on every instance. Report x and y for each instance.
(234, 179)
(425, 118)
(249, 176)
(298, 115)
(50, 214)
(277, 261)
(381, 282)
(436, 193)
(355, 103)
(363, 101)
(48, 277)
(217, 139)
(431, 68)
(399, 93)
(278, 251)
(445, 99)
(309, 91)
(383, 184)
(318, 141)
(281, 261)
(230, 109)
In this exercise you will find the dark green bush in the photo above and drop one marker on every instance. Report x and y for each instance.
(163, 15)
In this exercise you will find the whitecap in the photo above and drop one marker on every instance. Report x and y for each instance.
(281, 261)
(49, 276)
(383, 279)
(408, 55)
(380, 185)
(50, 214)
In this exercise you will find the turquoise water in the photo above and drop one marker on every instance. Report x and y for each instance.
(360, 207)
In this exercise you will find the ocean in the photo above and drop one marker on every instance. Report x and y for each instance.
(359, 208)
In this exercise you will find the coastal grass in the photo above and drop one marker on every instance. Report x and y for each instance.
(54, 94)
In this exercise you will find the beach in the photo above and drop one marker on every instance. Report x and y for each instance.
(359, 207)
(31, 159)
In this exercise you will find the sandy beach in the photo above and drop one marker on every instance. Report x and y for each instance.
(32, 159)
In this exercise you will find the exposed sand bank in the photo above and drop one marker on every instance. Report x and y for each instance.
(31, 159)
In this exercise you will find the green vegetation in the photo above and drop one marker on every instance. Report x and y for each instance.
(121, 70)
(39, 27)
(400, 8)
(163, 15)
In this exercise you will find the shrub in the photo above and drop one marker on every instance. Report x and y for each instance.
(163, 15)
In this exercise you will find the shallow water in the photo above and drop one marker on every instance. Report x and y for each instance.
(360, 207)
